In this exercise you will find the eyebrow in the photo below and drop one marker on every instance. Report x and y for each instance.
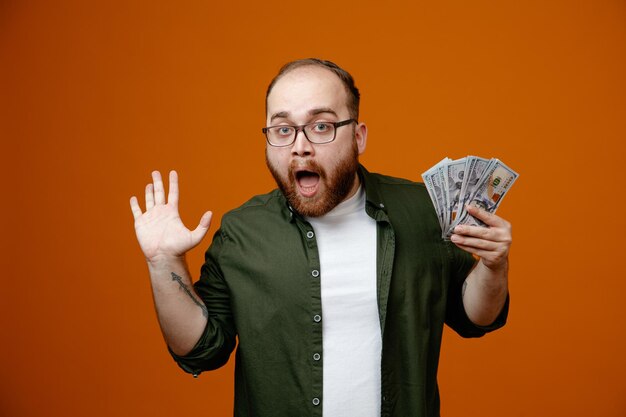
(312, 112)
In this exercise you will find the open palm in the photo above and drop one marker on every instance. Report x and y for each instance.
(160, 230)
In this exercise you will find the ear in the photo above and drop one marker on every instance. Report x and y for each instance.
(360, 135)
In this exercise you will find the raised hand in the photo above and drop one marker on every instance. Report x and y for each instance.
(160, 230)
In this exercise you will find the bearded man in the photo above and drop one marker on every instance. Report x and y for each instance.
(337, 284)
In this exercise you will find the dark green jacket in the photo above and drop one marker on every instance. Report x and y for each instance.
(261, 284)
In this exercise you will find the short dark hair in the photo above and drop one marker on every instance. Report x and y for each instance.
(347, 80)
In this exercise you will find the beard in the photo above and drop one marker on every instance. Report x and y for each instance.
(337, 184)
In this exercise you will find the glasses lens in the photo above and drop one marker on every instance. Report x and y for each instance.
(280, 135)
(320, 132)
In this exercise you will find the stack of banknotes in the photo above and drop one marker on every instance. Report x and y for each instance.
(454, 184)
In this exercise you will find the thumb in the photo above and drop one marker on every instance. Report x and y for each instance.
(198, 233)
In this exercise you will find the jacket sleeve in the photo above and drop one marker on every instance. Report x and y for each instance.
(461, 263)
(219, 337)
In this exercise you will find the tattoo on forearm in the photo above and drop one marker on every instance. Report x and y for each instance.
(184, 287)
(463, 289)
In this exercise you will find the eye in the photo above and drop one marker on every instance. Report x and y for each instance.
(321, 127)
(283, 130)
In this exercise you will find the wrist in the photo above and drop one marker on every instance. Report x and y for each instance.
(163, 260)
(496, 269)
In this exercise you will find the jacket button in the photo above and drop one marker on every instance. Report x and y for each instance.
(316, 401)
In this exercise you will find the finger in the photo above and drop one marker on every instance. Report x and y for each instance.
(134, 207)
(172, 196)
(473, 242)
(475, 251)
(149, 197)
(476, 231)
(482, 237)
(198, 233)
(159, 191)
(495, 233)
(488, 218)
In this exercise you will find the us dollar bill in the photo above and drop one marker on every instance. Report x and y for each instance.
(496, 181)
(441, 178)
(434, 185)
(475, 168)
(428, 182)
(455, 177)
(453, 184)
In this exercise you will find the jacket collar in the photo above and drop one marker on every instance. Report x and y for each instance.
(372, 191)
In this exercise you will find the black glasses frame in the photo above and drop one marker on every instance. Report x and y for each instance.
(301, 128)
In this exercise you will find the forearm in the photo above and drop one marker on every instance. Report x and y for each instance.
(182, 314)
(484, 293)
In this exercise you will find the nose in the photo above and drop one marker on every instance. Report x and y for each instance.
(302, 146)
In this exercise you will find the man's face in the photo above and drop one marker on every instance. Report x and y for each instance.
(314, 177)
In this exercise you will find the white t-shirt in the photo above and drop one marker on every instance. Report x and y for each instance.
(352, 341)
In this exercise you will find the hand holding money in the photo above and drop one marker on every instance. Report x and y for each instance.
(490, 243)
(453, 185)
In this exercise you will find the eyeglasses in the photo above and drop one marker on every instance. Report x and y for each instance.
(318, 132)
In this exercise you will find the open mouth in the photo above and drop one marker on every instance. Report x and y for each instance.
(308, 182)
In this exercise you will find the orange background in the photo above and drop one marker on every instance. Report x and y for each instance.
(95, 95)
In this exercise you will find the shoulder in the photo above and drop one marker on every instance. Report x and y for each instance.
(264, 209)
(406, 202)
(392, 188)
(389, 181)
(268, 201)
